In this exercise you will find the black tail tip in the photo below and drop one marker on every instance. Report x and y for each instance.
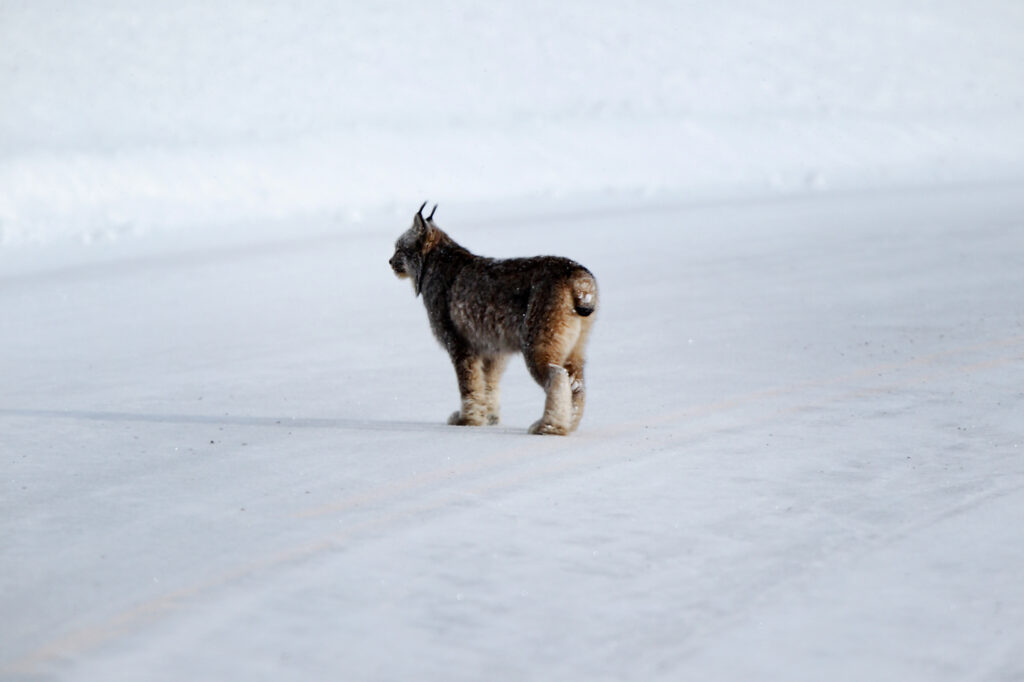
(583, 311)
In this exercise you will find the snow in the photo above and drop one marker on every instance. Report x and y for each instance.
(119, 119)
(223, 418)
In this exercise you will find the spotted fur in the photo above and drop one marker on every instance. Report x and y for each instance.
(482, 310)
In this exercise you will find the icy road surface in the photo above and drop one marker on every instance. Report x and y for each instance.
(802, 458)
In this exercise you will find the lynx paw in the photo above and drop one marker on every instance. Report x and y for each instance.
(458, 419)
(542, 428)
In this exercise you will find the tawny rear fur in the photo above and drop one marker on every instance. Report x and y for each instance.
(483, 309)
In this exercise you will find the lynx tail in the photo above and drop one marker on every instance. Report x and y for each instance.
(584, 293)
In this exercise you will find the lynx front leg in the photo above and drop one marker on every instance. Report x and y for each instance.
(472, 392)
(557, 419)
(493, 368)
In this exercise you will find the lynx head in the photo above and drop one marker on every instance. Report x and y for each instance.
(413, 246)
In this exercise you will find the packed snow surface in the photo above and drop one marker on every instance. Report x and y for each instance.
(222, 417)
(801, 458)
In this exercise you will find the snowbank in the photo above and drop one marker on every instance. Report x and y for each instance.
(123, 119)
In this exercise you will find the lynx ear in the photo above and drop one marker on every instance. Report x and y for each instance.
(419, 221)
(425, 226)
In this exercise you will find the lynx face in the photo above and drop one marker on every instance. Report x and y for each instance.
(412, 247)
(405, 259)
(408, 259)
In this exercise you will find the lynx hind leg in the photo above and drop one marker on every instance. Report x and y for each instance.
(574, 365)
(557, 418)
(469, 370)
(493, 367)
(578, 392)
(546, 363)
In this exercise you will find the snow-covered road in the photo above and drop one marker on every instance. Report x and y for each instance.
(803, 456)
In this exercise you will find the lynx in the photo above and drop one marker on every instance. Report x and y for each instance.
(483, 309)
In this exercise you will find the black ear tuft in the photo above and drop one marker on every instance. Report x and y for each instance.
(419, 221)
(431, 216)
